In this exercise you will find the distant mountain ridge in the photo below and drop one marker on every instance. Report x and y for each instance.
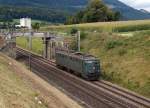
(71, 6)
(144, 11)
(127, 12)
(45, 3)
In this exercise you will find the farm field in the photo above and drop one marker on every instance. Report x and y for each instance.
(124, 55)
(119, 26)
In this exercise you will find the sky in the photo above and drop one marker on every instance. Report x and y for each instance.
(138, 4)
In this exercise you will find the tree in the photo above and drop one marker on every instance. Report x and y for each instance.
(36, 26)
(117, 16)
(96, 11)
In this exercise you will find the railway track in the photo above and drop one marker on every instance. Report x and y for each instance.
(90, 98)
(94, 94)
(123, 93)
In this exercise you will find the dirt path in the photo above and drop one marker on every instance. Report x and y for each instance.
(46, 93)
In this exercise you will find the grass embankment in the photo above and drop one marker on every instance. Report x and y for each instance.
(37, 44)
(124, 60)
(14, 92)
(125, 57)
(120, 26)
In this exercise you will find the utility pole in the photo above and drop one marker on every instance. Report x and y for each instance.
(45, 40)
(30, 47)
(48, 45)
(50, 51)
(78, 40)
(30, 40)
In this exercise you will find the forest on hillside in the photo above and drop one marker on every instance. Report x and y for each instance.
(8, 13)
(96, 11)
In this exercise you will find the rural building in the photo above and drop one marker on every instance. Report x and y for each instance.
(25, 22)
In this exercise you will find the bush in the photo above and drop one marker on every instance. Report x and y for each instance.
(111, 76)
(132, 85)
(73, 31)
(83, 35)
(73, 45)
(122, 52)
(112, 44)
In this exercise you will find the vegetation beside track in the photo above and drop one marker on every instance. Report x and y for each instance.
(14, 92)
(124, 60)
(125, 56)
(37, 44)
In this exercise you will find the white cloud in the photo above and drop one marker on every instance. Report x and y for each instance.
(138, 4)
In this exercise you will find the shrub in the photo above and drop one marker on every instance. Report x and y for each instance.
(111, 76)
(132, 85)
(145, 89)
(73, 45)
(112, 44)
(122, 52)
(73, 31)
(83, 35)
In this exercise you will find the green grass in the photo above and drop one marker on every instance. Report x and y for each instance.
(122, 47)
(124, 60)
(37, 44)
(15, 92)
(120, 26)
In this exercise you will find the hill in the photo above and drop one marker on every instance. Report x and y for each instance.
(124, 53)
(124, 59)
(123, 48)
(58, 5)
(15, 12)
(55, 11)
(45, 3)
(15, 92)
(128, 13)
(144, 11)
(20, 88)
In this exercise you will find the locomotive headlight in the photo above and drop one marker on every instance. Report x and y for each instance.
(93, 68)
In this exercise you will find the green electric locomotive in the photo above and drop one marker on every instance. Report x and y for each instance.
(85, 65)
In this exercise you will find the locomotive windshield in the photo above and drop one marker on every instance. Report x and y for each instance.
(92, 66)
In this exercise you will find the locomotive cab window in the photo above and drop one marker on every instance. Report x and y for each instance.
(92, 66)
(89, 66)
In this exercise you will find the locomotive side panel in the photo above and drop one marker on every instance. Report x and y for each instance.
(61, 59)
(76, 65)
(69, 62)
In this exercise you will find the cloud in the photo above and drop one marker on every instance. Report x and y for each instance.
(138, 4)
